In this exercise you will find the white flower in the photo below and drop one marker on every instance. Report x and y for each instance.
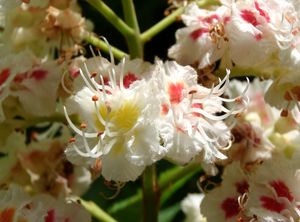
(118, 120)
(204, 40)
(275, 196)
(225, 202)
(190, 205)
(255, 125)
(17, 205)
(32, 81)
(192, 115)
(246, 34)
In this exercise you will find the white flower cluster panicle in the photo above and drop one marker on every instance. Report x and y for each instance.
(227, 100)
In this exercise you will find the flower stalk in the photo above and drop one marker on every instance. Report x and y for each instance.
(134, 42)
(151, 195)
(112, 17)
(96, 211)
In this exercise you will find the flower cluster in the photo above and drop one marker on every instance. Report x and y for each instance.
(67, 118)
(134, 113)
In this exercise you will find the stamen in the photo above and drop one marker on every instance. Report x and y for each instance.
(72, 140)
(112, 60)
(122, 73)
(95, 98)
(75, 129)
(62, 81)
(87, 82)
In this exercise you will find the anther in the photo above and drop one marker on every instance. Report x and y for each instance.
(72, 140)
(95, 98)
(192, 91)
(284, 113)
(99, 134)
(83, 126)
(238, 99)
(93, 74)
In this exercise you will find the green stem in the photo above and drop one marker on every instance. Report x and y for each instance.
(96, 211)
(112, 17)
(166, 181)
(134, 42)
(170, 19)
(117, 53)
(150, 195)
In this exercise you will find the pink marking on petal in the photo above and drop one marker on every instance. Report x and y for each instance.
(211, 18)
(282, 189)
(242, 187)
(4, 75)
(198, 33)
(258, 37)
(271, 204)
(164, 108)
(74, 73)
(262, 12)
(39, 74)
(128, 79)
(50, 216)
(20, 77)
(231, 207)
(227, 19)
(249, 17)
(175, 92)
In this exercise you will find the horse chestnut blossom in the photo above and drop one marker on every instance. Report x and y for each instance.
(127, 110)
(247, 34)
(188, 122)
(17, 205)
(71, 116)
(32, 83)
(118, 112)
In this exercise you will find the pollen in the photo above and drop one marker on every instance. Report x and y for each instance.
(72, 140)
(83, 126)
(95, 98)
(126, 116)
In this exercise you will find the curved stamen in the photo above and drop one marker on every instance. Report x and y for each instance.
(75, 129)
(62, 81)
(112, 59)
(122, 73)
(87, 82)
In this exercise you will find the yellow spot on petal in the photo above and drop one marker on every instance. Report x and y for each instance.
(123, 117)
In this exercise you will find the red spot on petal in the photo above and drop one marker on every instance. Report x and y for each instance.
(262, 12)
(281, 189)
(7, 215)
(50, 216)
(231, 208)
(258, 37)
(20, 77)
(211, 18)
(198, 33)
(249, 17)
(226, 19)
(128, 79)
(74, 73)
(271, 204)
(39, 74)
(165, 109)
(4, 75)
(175, 92)
(242, 187)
